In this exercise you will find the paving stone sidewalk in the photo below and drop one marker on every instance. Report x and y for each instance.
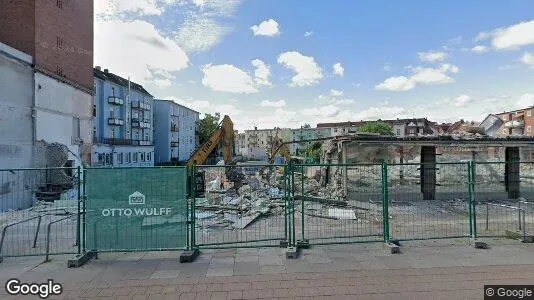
(424, 270)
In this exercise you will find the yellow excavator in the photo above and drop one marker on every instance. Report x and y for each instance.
(223, 136)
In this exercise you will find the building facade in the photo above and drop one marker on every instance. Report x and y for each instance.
(400, 127)
(303, 134)
(260, 142)
(516, 123)
(53, 39)
(123, 121)
(176, 131)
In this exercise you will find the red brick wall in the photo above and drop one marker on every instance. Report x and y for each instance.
(17, 24)
(73, 25)
(528, 121)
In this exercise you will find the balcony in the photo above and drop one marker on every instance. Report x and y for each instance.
(115, 121)
(127, 142)
(115, 100)
(140, 105)
(175, 144)
(515, 124)
(174, 128)
(137, 124)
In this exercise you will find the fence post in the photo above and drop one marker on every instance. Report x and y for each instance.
(286, 206)
(302, 201)
(292, 200)
(472, 203)
(385, 202)
(193, 204)
(78, 224)
(84, 211)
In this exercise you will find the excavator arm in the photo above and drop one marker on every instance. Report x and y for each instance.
(224, 136)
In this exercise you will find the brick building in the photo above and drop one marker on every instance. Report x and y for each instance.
(46, 47)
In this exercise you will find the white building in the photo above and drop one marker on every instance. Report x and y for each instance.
(176, 131)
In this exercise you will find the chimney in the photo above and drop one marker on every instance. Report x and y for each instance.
(98, 68)
(106, 71)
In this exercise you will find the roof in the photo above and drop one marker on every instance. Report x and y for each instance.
(514, 111)
(450, 140)
(177, 104)
(107, 76)
(359, 123)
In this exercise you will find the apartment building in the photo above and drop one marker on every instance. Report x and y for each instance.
(303, 134)
(122, 122)
(259, 142)
(512, 123)
(46, 53)
(176, 131)
(400, 127)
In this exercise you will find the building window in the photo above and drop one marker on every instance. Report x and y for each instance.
(504, 131)
(119, 158)
(398, 131)
(529, 113)
(148, 157)
(128, 157)
(529, 128)
(111, 113)
(59, 42)
(107, 159)
(505, 118)
(134, 159)
(112, 134)
(100, 159)
(76, 128)
(94, 110)
(59, 3)
(142, 156)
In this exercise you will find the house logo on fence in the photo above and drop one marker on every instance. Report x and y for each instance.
(136, 198)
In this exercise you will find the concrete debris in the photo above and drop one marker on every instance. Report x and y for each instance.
(344, 214)
(204, 215)
(245, 221)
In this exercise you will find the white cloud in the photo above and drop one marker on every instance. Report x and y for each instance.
(425, 76)
(261, 73)
(161, 56)
(527, 100)
(228, 78)
(338, 69)
(336, 93)
(266, 28)
(198, 105)
(528, 59)
(275, 104)
(432, 56)
(334, 100)
(386, 67)
(513, 37)
(110, 8)
(227, 109)
(308, 33)
(307, 71)
(324, 111)
(482, 36)
(479, 49)
(462, 101)
(382, 111)
(205, 23)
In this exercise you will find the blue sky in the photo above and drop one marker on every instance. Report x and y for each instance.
(271, 63)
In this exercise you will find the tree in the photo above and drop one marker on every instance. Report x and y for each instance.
(381, 128)
(314, 150)
(208, 125)
(306, 126)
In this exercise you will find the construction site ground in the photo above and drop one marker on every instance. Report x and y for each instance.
(436, 269)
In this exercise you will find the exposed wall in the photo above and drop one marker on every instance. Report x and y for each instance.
(16, 123)
(161, 132)
(17, 20)
(57, 105)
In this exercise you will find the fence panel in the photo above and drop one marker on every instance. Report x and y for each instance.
(135, 209)
(38, 207)
(498, 210)
(338, 203)
(240, 206)
(445, 216)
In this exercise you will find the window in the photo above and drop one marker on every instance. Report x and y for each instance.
(107, 160)
(100, 159)
(504, 131)
(134, 159)
(398, 131)
(119, 158)
(76, 128)
(142, 156)
(127, 134)
(148, 157)
(59, 3)
(128, 157)
(190, 127)
(529, 113)
(529, 128)
(112, 134)
(111, 113)
(59, 42)
(505, 118)
(94, 110)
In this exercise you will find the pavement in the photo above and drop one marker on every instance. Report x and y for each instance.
(435, 269)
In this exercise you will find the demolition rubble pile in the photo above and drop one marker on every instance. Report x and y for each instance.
(263, 195)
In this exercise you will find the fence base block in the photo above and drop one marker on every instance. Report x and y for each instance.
(189, 256)
(1, 259)
(284, 244)
(478, 244)
(527, 239)
(292, 252)
(80, 259)
(305, 244)
(392, 248)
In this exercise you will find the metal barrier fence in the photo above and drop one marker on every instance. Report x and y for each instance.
(234, 207)
(39, 211)
(63, 210)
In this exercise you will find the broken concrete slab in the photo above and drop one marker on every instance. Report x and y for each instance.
(292, 252)
(478, 244)
(392, 248)
(321, 200)
(342, 214)
(245, 221)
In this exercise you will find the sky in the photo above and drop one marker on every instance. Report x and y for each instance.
(280, 63)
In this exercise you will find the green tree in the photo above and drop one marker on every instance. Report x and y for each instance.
(314, 150)
(381, 128)
(208, 125)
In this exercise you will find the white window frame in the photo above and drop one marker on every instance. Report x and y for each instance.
(529, 113)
